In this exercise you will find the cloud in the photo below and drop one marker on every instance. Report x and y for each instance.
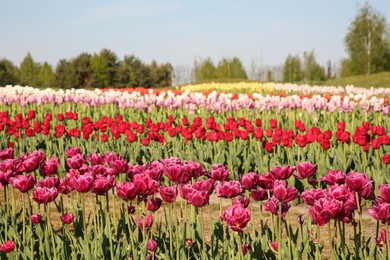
(135, 10)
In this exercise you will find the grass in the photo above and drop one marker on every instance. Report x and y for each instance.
(378, 80)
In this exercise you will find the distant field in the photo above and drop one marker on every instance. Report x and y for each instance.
(375, 80)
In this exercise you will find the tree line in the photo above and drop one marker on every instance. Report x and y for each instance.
(98, 70)
(367, 45)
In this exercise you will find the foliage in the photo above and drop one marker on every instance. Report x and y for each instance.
(367, 44)
(292, 69)
(9, 73)
(312, 71)
(29, 70)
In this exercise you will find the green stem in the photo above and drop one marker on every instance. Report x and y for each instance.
(280, 231)
(170, 230)
(318, 243)
(330, 241)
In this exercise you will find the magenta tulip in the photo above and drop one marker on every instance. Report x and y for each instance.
(360, 183)
(282, 173)
(67, 218)
(102, 184)
(259, 194)
(75, 162)
(205, 185)
(49, 167)
(7, 153)
(334, 177)
(83, 183)
(282, 193)
(380, 212)
(272, 205)
(310, 196)
(198, 198)
(228, 189)
(127, 190)
(36, 218)
(249, 181)
(219, 172)
(168, 193)
(44, 194)
(305, 170)
(154, 204)
(236, 216)
(146, 222)
(384, 192)
(23, 183)
(151, 245)
(73, 151)
(8, 246)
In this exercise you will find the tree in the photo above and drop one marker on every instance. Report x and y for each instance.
(231, 69)
(104, 67)
(204, 70)
(367, 44)
(65, 75)
(29, 71)
(46, 76)
(82, 70)
(133, 73)
(312, 71)
(9, 73)
(292, 69)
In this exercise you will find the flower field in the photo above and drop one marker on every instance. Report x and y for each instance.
(201, 172)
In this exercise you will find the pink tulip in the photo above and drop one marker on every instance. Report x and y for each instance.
(67, 218)
(228, 189)
(272, 205)
(282, 193)
(7, 153)
(148, 220)
(8, 246)
(282, 173)
(23, 183)
(127, 190)
(325, 209)
(205, 185)
(384, 192)
(310, 196)
(380, 212)
(152, 245)
(274, 245)
(219, 172)
(49, 182)
(236, 216)
(145, 185)
(83, 183)
(44, 194)
(334, 177)
(95, 158)
(31, 163)
(75, 162)
(244, 201)
(5, 176)
(102, 184)
(382, 239)
(305, 170)
(259, 194)
(73, 151)
(169, 193)
(360, 183)
(198, 198)
(249, 181)
(36, 218)
(49, 167)
(176, 173)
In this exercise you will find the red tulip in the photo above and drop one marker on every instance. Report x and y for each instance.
(282, 173)
(236, 216)
(44, 194)
(23, 183)
(127, 190)
(67, 218)
(386, 158)
(8, 246)
(169, 193)
(36, 218)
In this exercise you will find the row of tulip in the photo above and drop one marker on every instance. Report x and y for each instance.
(138, 231)
(192, 101)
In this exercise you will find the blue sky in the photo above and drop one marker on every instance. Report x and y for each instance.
(179, 31)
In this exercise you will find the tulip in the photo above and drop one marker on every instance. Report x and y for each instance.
(274, 245)
(95, 158)
(249, 181)
(5, 177)
(127, 190)
(386, 158)
(380, 211)
(305, 170)
(145, 185)
(310, 196)
(176, 174)
(8, 246)
(360, 183)
(272, 205)
(148, 220)
(236, 216)
(382, 239)
(7, 153)
(36, 218)
(282, 193)
(185, 190)
(205, 185)
(23, 183)
(130, 209)
(266, 181)
(245, 248)
(49, 182)
(44, 194)
(168, 194)
(102, 184)
(154, 204)
(73, 151)
(384, 192)
(83, 183)
(152, 245)
(219, 172)
(282, 173)
(67, 218)
(325, 209)
(198, 198)
(334, 177)
(259, 194)
(76, 161)
(339, 192)
(31, 163)
(49, 167)
(244, 201)
(228, 189)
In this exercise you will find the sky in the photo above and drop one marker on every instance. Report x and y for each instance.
(256, 31)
